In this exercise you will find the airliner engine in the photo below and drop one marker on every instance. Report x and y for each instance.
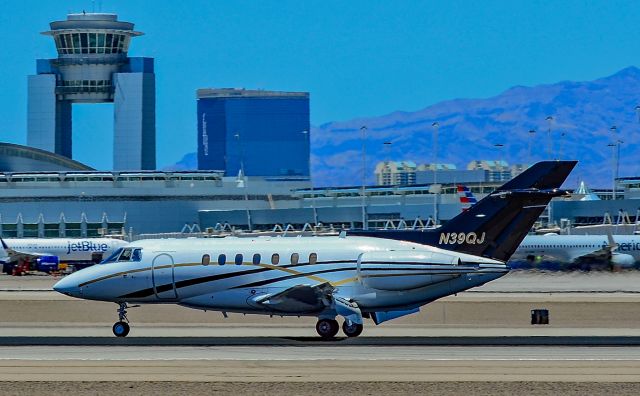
(404, 270)
(47, 263)
(622, 260)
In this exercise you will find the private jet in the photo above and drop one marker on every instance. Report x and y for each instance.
(351, 276)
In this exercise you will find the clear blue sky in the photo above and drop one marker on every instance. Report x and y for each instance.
(357, 58)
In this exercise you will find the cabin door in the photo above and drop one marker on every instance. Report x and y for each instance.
(163, 277)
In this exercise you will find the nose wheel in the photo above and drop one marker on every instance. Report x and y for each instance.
(121, 327)
(327, 328)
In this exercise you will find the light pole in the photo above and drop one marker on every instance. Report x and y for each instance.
(615, 157)
(549, 145)
(499, 167)
(387, 160)
(244, 181)
(363, 130)
(307, 136)
(436, 190)
(532, 133)
(561, 148)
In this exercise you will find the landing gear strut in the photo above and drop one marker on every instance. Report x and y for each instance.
(351, 329)
(121, 327)
(327, 328)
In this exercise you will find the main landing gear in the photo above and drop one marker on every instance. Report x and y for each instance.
(121, 327)
(328, 328)
(351, 330)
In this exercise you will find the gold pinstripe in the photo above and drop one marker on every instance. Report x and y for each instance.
(293, 272)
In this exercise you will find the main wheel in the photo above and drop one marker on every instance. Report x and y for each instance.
(121, 329)
(352, 330)
(327, 328)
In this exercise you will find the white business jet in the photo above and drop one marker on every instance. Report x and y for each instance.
(349, 276)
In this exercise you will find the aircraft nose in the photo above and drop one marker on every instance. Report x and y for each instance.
(68, 285)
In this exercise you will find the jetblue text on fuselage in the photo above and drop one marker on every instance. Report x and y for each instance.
(86, 246)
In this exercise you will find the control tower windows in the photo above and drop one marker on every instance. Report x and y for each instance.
(84, 43)
(91, 43)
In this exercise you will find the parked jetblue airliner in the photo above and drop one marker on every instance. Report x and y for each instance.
(351, 276)
(49, 252)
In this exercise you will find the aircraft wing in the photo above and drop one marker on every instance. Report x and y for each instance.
(603, 254)
(597, 255)
(299, 298)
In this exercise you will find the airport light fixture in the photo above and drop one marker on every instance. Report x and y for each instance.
(549, 142)
(561, 148)
(615, 159)
(532, 133)
(307, 136)
(242, 181)
(436, 189)
(363, 131)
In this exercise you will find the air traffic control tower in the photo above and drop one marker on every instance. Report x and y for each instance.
(92, 67)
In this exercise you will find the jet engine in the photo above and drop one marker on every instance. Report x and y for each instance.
(47, 263)
(622, 260)
(405, 270)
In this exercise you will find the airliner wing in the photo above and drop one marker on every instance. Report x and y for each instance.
(597, 255)
(299, 298)
(8, 255)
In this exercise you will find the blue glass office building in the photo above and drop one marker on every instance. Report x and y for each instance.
(266, 132)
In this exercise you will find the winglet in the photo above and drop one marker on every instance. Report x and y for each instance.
(613, 245)
(4, 245)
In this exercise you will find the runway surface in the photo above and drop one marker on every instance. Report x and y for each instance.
(316, 342)
(319, 364)
(479, 340)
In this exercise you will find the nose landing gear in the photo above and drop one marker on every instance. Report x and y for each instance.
(121, 327)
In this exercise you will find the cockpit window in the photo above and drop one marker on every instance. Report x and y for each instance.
(137, 255)
(114, 257)
(125, 256)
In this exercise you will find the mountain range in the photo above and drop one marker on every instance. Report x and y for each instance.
(582, 114)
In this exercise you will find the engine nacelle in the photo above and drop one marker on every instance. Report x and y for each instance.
(405, 270)
(622, 260)
(47, 263)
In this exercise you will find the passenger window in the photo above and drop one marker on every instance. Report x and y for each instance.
(256, 259)
(137, 255)
(126, 255)
(275, 258)
(313, 258)
(222, 259)
(238, 259)
(206, 259)
(295, 257)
